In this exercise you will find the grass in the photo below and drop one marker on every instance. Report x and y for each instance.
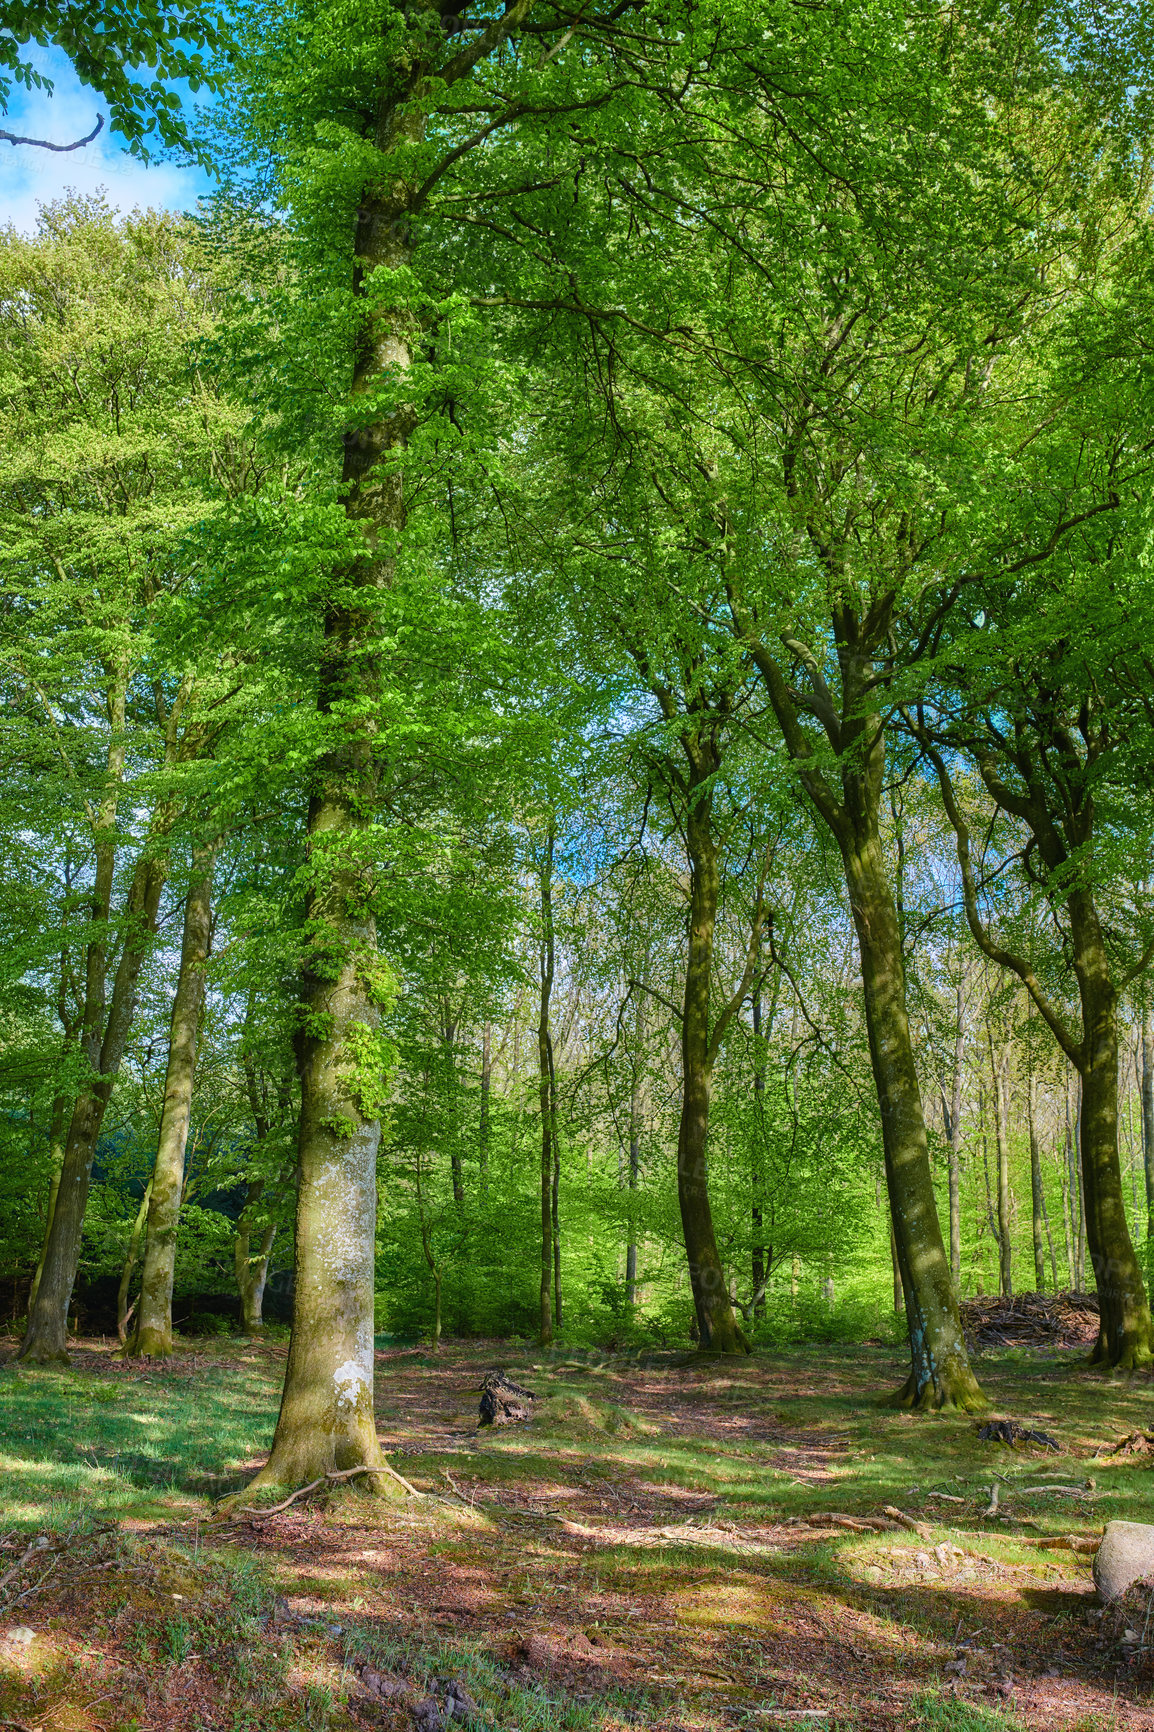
(649, 1551)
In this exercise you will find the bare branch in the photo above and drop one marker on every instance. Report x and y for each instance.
(46, 144)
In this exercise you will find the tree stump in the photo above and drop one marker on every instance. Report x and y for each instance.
(503, 1402)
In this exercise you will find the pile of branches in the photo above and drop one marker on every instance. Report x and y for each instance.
(1031, 1320)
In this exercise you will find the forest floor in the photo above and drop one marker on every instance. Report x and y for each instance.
(654, 1549)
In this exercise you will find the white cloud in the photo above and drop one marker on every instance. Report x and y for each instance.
(30, 177)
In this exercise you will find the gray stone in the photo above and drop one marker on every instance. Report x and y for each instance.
(1125, 1555)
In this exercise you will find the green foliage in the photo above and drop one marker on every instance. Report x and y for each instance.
(108, 40)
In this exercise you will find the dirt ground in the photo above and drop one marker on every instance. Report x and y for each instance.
(667, 1543)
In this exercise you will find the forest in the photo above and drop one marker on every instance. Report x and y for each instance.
(577, 710)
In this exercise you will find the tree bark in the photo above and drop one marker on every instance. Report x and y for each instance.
(1069, 1203)
(326, 1421)
(634, 1172)
(486, 1089)
(757, 1213)
(152, 1336)
(545, 1085)
(717, 1327)
(999, 1092)
(954, 1129)
(251, 1269)
(449, 1028)
(123, 1309)
(1126, 1332)
(1061, 822)
(56, 1125)
(1147, 1131)
(940, 1374)
(1037, 1197)
(899, 1296)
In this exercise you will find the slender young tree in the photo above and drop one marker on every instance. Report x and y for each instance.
(152, 1335)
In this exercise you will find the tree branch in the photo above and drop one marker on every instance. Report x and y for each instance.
(1004, 958)
(46, 144)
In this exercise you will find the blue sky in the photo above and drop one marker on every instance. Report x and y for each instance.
(30, 177)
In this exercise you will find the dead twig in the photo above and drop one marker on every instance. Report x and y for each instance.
(38, 1547)
(906, 1521)
(1083, 1545)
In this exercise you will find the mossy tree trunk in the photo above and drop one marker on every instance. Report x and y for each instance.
(717, 1326)
(251, 1266)
(123, 1308)
(1147, 1131)
(940, 1372)
(1126, 1332)
(152, 1335)
(57, 1123)
(326, 1421)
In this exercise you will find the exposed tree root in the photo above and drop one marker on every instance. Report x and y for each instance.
(229, 1508)
(43, 1356)
(939, 1398)
(1134, 1356)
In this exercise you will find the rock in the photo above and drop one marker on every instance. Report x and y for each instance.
(427, 1716)
(459, 1702)
(21, 1635)
(381, 1684)
(1125, 1555)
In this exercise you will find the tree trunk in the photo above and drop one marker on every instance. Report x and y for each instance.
(998, 1084)
(486, 1087)
(955, 1136)
(251, 1269)
(449, 1026)
(1147, 1131)
(940, 1373)
(545, 1088)
(758, 1270)
(717, 1327)
(1126, 1332)
(899, 1296)
(1069, 1224)
(1037, 1198)
(46, 1338)
(634, 1164)
(326, 1420)
(555, 1197)
(1079, 1193)
(56, 1156)
(152, 1336)
(123, 1309)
